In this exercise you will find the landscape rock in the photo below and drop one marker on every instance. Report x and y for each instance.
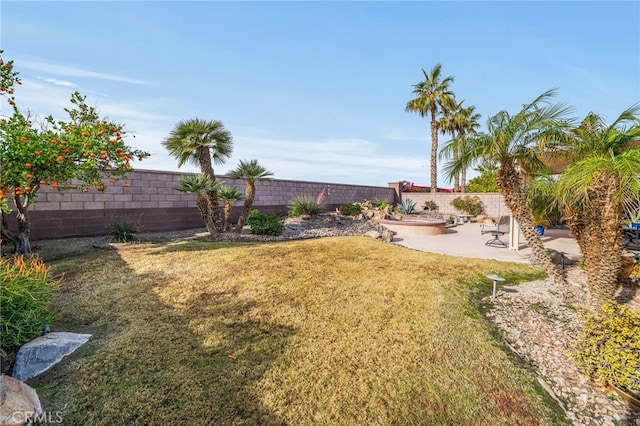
(42, 353)
(19, 403)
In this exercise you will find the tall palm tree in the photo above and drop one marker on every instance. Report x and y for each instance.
(198, 142)
(200, 185)
(228, 194)
(512, 142)
(250, 171)
(604, 175)
(429, 96)
(449, 124)
(467, 125)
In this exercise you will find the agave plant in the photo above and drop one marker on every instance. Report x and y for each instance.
(407, 206)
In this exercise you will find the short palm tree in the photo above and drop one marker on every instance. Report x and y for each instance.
(228, 194)
(512, 142)
(200, 185)
(604, 175)
(250, 171)
(429, 97)
(200, 142)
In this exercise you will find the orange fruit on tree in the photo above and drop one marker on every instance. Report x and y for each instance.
(54, 185)
(24, 138)
(36, 152)
(29, 175)
(28, 165)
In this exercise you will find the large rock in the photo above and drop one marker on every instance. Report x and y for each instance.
(42, 353)
(19, 403)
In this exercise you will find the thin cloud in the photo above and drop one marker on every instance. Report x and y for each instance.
(62, 83)
(76, 72)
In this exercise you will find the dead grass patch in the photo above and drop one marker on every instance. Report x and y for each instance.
(344, 330)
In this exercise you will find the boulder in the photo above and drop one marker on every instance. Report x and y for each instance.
(373, 234)
(42, 353)
(387, 235)
(19, 403)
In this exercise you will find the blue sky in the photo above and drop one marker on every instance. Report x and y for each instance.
(317, 90)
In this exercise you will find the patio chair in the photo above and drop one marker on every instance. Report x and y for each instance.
(502, 225)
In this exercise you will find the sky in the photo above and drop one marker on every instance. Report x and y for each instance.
(316, 90)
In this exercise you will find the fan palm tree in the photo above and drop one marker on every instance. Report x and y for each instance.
(429, 96)
(200, 185)
(228, 194)
(511, 142)
(250, 171)
(604, 175)
(200, 142)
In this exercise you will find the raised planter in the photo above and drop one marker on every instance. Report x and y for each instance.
(415, 227)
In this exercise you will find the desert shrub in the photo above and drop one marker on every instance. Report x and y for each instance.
(305, 205)
(350, 209)
(269, 223)
(407, 206)
(122, 230)
(468, 204)
(609, 351)
(26, 294)
(430, 205)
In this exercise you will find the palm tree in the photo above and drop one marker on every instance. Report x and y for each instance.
(467, 124)
(604, 175)
(200, 185)
(460, 122)
(198, 142)
(251, 172)
(429, 96)
(512, 142)
(228, 194)
(448, 124)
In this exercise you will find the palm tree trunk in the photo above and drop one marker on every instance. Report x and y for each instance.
(213, 210)
(603, 241)
(203, 209)
(249, 195)
(227, 216)
(511, 185)
(434, 151)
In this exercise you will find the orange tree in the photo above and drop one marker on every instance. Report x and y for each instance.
(84, 152)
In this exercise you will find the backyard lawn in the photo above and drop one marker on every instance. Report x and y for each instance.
(331, 331)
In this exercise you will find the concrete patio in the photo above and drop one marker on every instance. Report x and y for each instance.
(466, 240)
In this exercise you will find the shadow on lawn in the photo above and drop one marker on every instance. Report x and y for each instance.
(154, 361)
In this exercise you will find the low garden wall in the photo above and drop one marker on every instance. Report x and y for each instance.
(151, 202)
(493, 203)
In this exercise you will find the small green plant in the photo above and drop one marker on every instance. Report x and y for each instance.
(26, 294)
(407, 206)
(451, 220)
(305, 205)
(269, 223)
(468, 204)
(430, 205)
(609, 351)
(123, 231)
(350, 209)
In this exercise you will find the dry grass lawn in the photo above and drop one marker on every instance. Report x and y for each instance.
(333, 331)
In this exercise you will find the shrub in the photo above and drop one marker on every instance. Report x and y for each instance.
(609, 351)
(26, 294)
(407, 206)
(469, 205)
(350, 209)
(305, 205)
(430, 205)
(123, 231)
(265, 223)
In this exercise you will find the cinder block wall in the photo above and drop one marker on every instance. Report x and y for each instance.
(493, 203)
(151, 202)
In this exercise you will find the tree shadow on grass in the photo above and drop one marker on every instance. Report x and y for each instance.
(153, 361)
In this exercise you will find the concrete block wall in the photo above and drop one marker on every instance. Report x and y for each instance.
(493, 203)
(151, 202)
